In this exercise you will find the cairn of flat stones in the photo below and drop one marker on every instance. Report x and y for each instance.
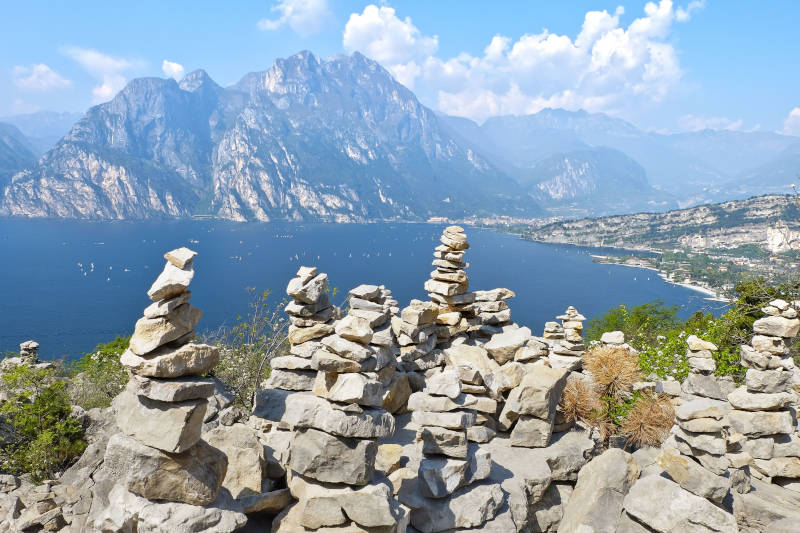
(311, 315)
(449, 280)
(763, 408)
(449, 465)
(331, 466)
(566, 340)
(416, 332)
(159, 454)
(29, 352)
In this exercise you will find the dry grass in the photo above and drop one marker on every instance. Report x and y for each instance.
(580, 400)
(649, 421)
(614, 369)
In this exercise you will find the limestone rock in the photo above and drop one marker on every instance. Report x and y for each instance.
(307, 291)
(693, 477)
(245, 458)
(192, 477)
(354, 328)
(171, 282)
(332, 459)
(531, 432)
(503, 346)
(300, 335)
(150, 333)
(747, 401)
(759, 423)
(349, 388)
(294, 380)
(306, 410)
(171, 427)
(446, 383)
(171, 390)
(768, 381)
(777, 326)
(180, 257)
(441, 441)
(697, 344)
(172, 362)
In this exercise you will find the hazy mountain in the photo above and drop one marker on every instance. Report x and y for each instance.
(16, 152)
(43, 128)
(777, 175)
(306, 139)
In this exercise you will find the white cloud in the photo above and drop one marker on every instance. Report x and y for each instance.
(606, 67)
(105, 68)
(38, 77)
(395, 43)
(791, 126)
(305, 17)
(695, 123)
(172, 70)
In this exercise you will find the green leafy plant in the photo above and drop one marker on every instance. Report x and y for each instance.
(99, 376)
(41, 437)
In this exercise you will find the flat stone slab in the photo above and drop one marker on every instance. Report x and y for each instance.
(172, 390)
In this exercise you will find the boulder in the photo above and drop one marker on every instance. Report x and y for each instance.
(150, 333)
(172, 281)
(532, 432)
(748, 401)
(777, 326)
(354, 328)
(349, 388)
(306, 410)
(193, 477)
(662, 505)
(596, 502)
(332, 459)
(293, 380)
(503, 346)
(767, 381)
(172, 390)
(441, 441)
(468, 507)
(245, 457)
(307, 291)
(760, 423)
(172, 362)
(171, 427)
(693, 477)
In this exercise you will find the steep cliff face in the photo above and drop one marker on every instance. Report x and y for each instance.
(16, 152)
(304, 140)
(771, 222)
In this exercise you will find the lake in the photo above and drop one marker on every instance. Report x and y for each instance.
(72, 284)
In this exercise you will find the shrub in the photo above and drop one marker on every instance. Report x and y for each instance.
(42, 437)
(614, 369)
(248, 346)
(649, 420)
(580, 400)
(99, 375)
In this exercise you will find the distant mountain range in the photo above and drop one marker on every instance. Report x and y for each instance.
(340, 139)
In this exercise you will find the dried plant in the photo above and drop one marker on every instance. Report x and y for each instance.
(649, 421)
(614, 369)
(580, 400)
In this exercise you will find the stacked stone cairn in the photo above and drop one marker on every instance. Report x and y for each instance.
(311, 315)
(763, 416)
(29, 352)
(700, 428)
(416, 333)
(449, 280)
(566, 340)
(159, 455)
(331, 464)
(444, 496)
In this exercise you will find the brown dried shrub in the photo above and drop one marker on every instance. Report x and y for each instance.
(614, 369)
(580, 400)
(649, 421)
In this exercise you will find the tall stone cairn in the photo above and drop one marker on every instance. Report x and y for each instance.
(566, 340)
(311, 315)
(159, 454)
(449, 280)
(29, 352)
(449, 465)
(701, 423)
(416, 333)
(331, 466)
(763, 411)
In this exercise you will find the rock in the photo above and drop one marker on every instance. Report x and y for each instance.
(768, 381)
(613, 337)
(480, 434)
(450, 420)
(446, 383)
(294, 380)
(470, 356)
(165, 307)
(436, 440)
(397, 393)
(747, 401)
(169, 362)
(760, 423)
(693, 477)
(332, 459)
(774, 345)
(171, 282)
(270, 502)
(701, 408)
(703, 425)
(777, 326)
(171, 390)
(307, 291)
(670, 388)
(546, 514)
(290, 362)
(702, 385)
(596, 502)
(354, 328)
(697, 344)
(780, 467)
(192, 477)
(505, 378)
(763, 505)
(441, 476)
(664, 506)
(171, 427)
(245, 457)
(307, 410)
(502, 347)
(347, 348)
(328, 362)
(468, 507)
(421, 401)
(180, 257)
(389, 458)
(701, 365)
(532, 432)
(494, 295)
(301, 335)
(150, 333)
(349, 388)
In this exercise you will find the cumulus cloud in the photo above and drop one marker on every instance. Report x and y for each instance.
(606, 67)
(105, 68)
(172, 70)
(791, 126)
(696, 123)
(305, 17)
(38, 77)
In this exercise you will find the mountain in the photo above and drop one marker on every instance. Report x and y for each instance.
(16, 152)
(777, 175)
(305, 140)
(606, 179)
(43, 128)
(769, 222)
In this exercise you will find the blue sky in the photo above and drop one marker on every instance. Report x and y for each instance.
(671, 66)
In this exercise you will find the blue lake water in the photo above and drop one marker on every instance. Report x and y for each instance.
(70, 284)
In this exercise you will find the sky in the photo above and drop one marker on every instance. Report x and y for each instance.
(663, 65)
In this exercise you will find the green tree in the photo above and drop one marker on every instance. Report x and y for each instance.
(99, 375)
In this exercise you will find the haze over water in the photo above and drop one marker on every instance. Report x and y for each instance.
(71, 284)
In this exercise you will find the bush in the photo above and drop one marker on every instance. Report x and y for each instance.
(613, 369)
(649, 421)
(247, 347)
(41, 436)
(99, 376)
